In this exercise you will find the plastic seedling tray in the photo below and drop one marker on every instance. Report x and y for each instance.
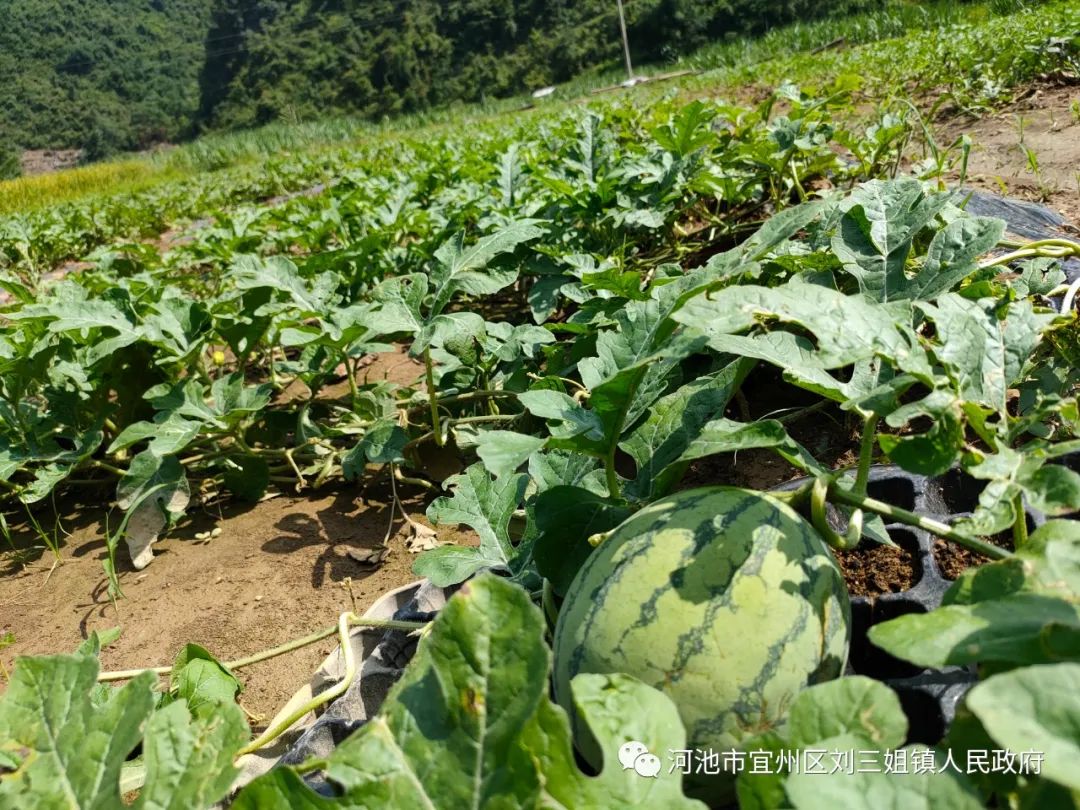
(929, 696)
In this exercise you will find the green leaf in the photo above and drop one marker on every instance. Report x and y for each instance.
(852, 705)
(1024, 628)
(866, 790)
(470, 724)
(846, 329)
(248, 479)
(147, 471)
(504, 451)
(565, 517)
(400, 302)
(778, 229)
(543, 296)
(688, 129)
(674, 422)
(188, 761)
(199, 678)
(854, 713)
(1053, 489)
(952, 254)
(77, 748)
(1035, 709)
(232, 398)
(929, 453)
(94, 643)
(170, 436)
(575, 419)
(45, 480)
(280, 275)
(644, 332)
(83, 316)
(485, 504)
(616, 709)
(555, 468)
(383, 443)
(459, 267)
(729, 436)
(983, 351)
(881, 221)
(77, 751)
(152, 489)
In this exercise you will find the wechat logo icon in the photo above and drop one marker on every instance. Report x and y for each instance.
(634, 755)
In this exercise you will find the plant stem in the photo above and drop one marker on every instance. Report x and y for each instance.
(109, 468)
(273, 652)
(330, 694)
(433, 397)
(794, 416)
(1051, 248)
(609, 471)
(351, 374)
(547, 600)
(866, 454)
(1020, 531)
(936, 527)
(465, 420)
(472, 396)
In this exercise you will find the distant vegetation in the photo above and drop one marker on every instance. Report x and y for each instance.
(103, 76)
(116, 75)
(386, 56)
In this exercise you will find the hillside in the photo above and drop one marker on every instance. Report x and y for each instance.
(388, 56)
(117, 75)
(104, 76)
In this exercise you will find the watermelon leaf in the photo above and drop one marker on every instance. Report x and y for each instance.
(876, 233)
(852, 705)
(504, 451)
(76, 747)
(462, 269)
(672, 425)
(854, 713)
(873, 790)
(485, 504)
(1024, 628)
(200, 680)
(470, 724)
(565, 518)
(1035, 709)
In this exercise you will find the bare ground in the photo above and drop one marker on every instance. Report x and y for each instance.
(276, 572)
(1049, 123)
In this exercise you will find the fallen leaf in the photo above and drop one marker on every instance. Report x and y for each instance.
(420, 538)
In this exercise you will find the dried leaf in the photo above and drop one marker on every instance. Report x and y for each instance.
(420, 538)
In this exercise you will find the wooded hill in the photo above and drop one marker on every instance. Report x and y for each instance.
(112, 75)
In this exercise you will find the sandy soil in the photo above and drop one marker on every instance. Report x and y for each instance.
(1051, 130)
(277, 571)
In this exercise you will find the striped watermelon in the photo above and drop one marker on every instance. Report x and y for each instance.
(725, 599)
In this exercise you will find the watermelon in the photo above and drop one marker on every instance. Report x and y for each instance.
(723, 598)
